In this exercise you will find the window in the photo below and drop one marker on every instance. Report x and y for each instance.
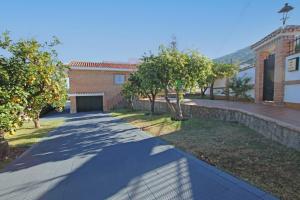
(68, 83)
(119, 79)
(297, 44)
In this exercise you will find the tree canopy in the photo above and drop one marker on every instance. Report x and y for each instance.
(170, 70)
(219, 71)
(32, 77)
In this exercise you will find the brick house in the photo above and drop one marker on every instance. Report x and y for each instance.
(275, 70)
(277, 76)
(96, 86)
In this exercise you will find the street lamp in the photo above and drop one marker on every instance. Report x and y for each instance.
(285, 10)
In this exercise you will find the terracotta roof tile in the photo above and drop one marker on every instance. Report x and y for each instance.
(103, 65)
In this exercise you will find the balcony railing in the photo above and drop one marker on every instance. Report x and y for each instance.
(294, 46)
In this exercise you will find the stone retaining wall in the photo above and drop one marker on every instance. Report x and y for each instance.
(271, 129)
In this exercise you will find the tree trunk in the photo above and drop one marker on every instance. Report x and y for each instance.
(4, 147)
(131, 103)
(179, 114)
(36, 122)
(152, 107)
(211, 91)
(170, 105)
(227, 90)
(203, 90)
(153, 104)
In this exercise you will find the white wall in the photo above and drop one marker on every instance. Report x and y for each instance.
(221, 83)
(292, 92)
(68, 83)
(248, 73)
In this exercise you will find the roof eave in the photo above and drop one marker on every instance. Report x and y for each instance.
(288, 30)
(102, 69)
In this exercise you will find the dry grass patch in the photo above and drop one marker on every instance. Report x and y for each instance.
(231, 147)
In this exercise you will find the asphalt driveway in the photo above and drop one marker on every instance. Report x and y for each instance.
(95, 156)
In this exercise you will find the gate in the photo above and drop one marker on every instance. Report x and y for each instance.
(268, 87)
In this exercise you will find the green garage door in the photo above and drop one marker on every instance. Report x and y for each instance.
(89, 103)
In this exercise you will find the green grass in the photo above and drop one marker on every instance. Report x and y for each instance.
(231, 147)
(26, 136)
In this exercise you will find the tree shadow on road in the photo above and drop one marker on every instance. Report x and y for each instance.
(102, 158)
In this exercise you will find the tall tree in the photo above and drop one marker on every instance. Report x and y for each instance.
(200, 69)
(220, 71)
(172, 69)
(13, 97)
(131, 89)
(150, 82)
(34, 69)
(145, 82)
(179, 72)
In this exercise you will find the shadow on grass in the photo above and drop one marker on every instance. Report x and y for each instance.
(108, 156)
(33, 135)
(237, 150)
(87, 153)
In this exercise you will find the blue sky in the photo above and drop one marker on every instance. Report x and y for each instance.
(123, 30)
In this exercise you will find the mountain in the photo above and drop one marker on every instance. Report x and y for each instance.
(245, 55)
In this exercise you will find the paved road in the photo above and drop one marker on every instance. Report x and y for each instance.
(95, 156)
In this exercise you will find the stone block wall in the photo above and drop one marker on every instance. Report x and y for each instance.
(269, 128)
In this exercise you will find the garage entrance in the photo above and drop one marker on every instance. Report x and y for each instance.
(89, 103)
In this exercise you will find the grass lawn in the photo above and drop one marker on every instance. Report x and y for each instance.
(230, 147)
(26, 136)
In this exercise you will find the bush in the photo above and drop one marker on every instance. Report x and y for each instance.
(239, 86)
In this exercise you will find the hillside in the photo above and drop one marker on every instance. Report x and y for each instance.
(240, 56)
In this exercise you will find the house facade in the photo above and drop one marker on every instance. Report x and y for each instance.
(96, 86)
(277, 75)
(275, 71)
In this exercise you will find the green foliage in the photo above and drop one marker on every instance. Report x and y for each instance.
(172, 70)
(240, 86)
(32, 77)
(145, 82)
(223, 70)
(179, 71)
(149, 76)
(131, 89)
(189, 69)
(12, 97)
(199, 68)
(220, 71)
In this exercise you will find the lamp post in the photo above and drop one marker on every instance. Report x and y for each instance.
(285, 10)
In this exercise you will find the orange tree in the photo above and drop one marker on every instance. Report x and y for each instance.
(131, 89)
(179, 71)
(145, 82)
(33, 70)
(220, 71)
